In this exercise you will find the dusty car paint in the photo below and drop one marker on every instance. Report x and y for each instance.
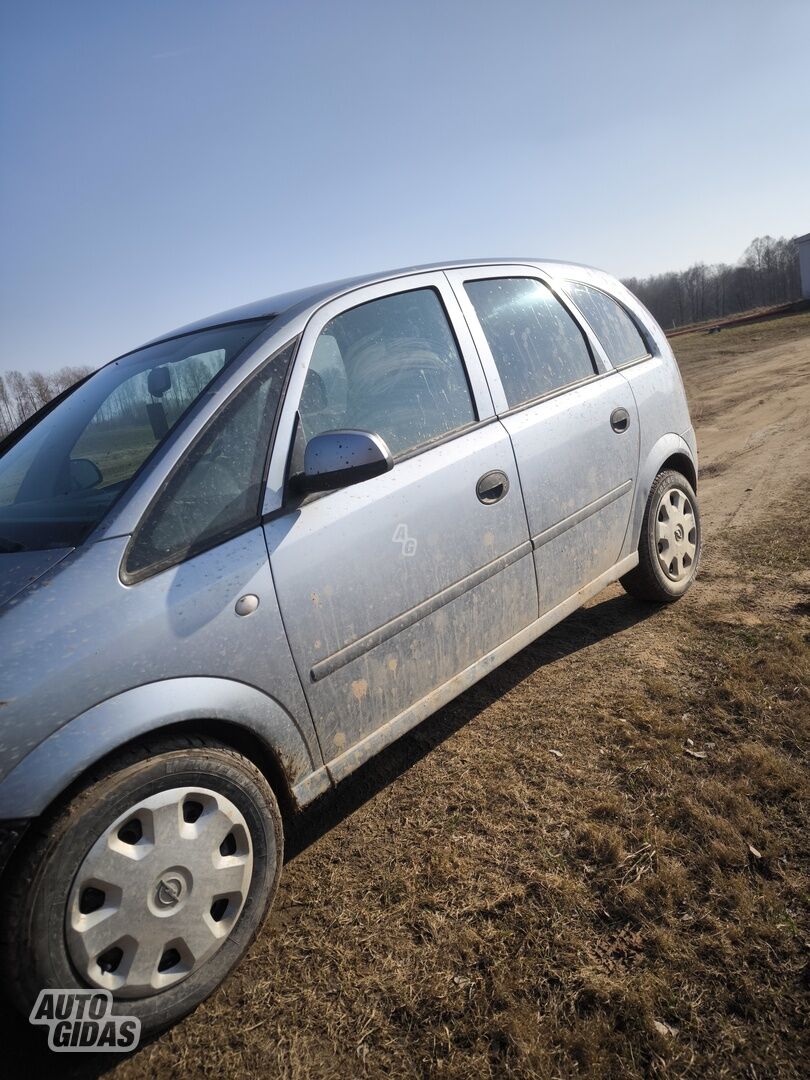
(351, 643)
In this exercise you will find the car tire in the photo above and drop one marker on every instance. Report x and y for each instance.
(670, 542)
(49, 941)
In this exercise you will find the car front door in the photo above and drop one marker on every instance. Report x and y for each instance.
(391, 587)
(572, 420)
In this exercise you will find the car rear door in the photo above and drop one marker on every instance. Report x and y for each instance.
(572, 420)
(391, 587)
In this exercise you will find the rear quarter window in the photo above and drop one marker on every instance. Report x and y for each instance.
(616, 330)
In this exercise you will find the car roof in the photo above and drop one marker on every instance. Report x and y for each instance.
(315, 295)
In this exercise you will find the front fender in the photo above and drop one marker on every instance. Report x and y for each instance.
(649, 468)
(50, 768)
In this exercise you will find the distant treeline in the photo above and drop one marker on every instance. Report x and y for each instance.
(22, 394)
(767, 273)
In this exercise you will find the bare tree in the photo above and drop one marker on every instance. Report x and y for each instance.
(767, 273)
(6, 413)
(22, 394)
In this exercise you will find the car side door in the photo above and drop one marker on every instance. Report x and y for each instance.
(572, 420)
(391, 587)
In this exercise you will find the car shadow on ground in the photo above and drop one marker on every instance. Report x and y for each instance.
(25, 1050)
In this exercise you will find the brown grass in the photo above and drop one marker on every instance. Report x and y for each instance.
(625, 910)
(698, 347)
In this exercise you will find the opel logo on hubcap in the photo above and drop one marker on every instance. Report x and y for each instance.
(168, 891)
(679, 532)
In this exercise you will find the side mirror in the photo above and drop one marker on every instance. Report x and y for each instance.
(84, 474)
(336, 459)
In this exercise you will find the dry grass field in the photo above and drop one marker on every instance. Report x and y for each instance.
(594, 863)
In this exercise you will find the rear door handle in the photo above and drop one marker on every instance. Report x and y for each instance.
(620, 420)
(492, 486)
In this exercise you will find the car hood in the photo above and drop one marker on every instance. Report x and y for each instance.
(20, 568)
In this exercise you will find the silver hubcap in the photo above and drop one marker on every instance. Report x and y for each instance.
(159, 891)
(676, 535)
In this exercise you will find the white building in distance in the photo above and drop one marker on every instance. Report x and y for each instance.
(803, 244)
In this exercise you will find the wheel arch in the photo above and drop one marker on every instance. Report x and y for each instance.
(683, 464)
(669, 452)
(240, 716)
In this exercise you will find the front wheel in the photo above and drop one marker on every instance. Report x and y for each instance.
(151, 882)
(669, 545)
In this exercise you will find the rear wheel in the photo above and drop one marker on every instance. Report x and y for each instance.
(669, 545)
(151, 882)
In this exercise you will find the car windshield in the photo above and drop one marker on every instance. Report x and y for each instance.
(59, 479)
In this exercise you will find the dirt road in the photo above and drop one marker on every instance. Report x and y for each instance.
(752, 413)
(594, 863)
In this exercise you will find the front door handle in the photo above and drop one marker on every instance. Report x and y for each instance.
(492, 486)
(620, 420)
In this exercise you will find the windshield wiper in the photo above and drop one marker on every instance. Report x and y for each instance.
(8, 547)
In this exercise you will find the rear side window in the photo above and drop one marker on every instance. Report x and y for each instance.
(215, 491)
(536, 345)
(392, 367)
(615, 329)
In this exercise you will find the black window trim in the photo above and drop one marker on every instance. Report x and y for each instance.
(448, 436)
(292, 500)
(641, 330)
(190, 551)
(558, 392)
(564, 302)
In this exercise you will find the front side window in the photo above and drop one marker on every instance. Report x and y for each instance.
(59, 479)
(615, 329)
(215, 491)
(536, 345)
(390, 366)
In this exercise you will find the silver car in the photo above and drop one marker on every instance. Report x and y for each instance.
(239, 561)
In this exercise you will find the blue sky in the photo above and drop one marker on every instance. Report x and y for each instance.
(163, 159)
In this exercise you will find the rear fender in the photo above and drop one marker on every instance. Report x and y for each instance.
(667, 446)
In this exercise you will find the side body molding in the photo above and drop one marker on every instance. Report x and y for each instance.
(53, 765)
